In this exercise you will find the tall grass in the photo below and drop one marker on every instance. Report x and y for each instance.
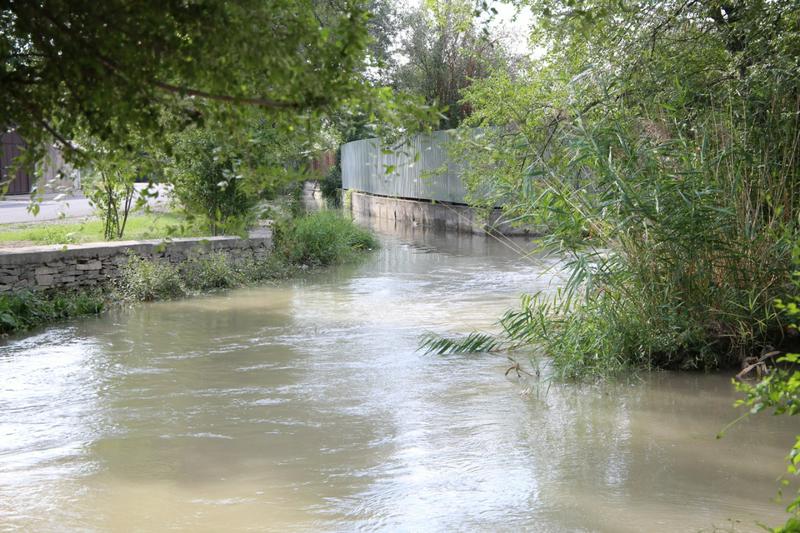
(316, 240)
(26, 310)
(677, 242)
(320, 239)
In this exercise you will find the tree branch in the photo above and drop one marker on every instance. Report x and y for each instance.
(257, 101)
(115, 69)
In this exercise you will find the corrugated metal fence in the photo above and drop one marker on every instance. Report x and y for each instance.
(420, 169)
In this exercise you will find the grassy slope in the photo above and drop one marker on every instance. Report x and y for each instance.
(149, 226)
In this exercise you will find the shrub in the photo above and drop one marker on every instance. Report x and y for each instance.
(321, 239)
(25, 310)
(274, 267)
(331, 184)
(211, 271)
(111, 191)
(146, 280)
(206, 183)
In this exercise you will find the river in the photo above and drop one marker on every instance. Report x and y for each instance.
(305, 406)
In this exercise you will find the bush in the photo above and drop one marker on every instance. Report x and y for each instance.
(25, 310)
(274, 267)
(109, 186)
(206, 183)
(331, 184)
(321, 239)
(212, 271)
(146, 280)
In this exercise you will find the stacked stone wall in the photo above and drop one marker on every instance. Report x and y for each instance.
(87, 265)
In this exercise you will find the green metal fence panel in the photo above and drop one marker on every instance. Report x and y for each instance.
(421, 169)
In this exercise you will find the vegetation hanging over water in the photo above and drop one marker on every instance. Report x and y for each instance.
(313, 240)
(779, 392)
(659, 144)
(23, 311)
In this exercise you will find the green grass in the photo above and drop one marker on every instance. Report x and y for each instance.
(311, 241)
(149, 226)
(321, 239)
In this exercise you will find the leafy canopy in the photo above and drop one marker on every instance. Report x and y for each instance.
(656, 142)
(106, 68)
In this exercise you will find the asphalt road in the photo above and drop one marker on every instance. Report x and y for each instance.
(16, 209)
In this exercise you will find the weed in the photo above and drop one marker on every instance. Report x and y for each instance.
(146, 280)
(26, 310)
(321, 239)
(210, 271)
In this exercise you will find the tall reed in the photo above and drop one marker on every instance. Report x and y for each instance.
(677, 235)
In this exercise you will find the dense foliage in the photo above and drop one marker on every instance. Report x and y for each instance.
(22, 311)
(658, 142)
(206, 183)
(107, 68)
(779, 392)
(444, 51)
(321, 239)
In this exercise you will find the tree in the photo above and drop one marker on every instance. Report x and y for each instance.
(106, 68)
(444, 51)
(110, 187)
(207, 182)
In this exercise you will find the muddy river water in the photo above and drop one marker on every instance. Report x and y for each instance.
(305, 406)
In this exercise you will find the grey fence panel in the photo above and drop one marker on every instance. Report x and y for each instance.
(420, 169)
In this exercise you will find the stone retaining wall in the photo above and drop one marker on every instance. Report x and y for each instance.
(87, 265)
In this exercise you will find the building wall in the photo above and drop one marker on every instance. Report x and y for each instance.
(16, 180)
(422, 169)
(52, 174)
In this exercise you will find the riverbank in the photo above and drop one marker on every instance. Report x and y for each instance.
(37, 284)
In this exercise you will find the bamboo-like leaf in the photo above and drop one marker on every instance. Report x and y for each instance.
(475, 342)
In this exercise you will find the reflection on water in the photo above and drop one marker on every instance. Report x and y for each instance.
(305, 406)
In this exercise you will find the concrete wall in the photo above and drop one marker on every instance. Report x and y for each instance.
(435, 215)
(87, 265)
(312, 196)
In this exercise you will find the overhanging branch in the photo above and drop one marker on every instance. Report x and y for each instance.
(257, 101)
